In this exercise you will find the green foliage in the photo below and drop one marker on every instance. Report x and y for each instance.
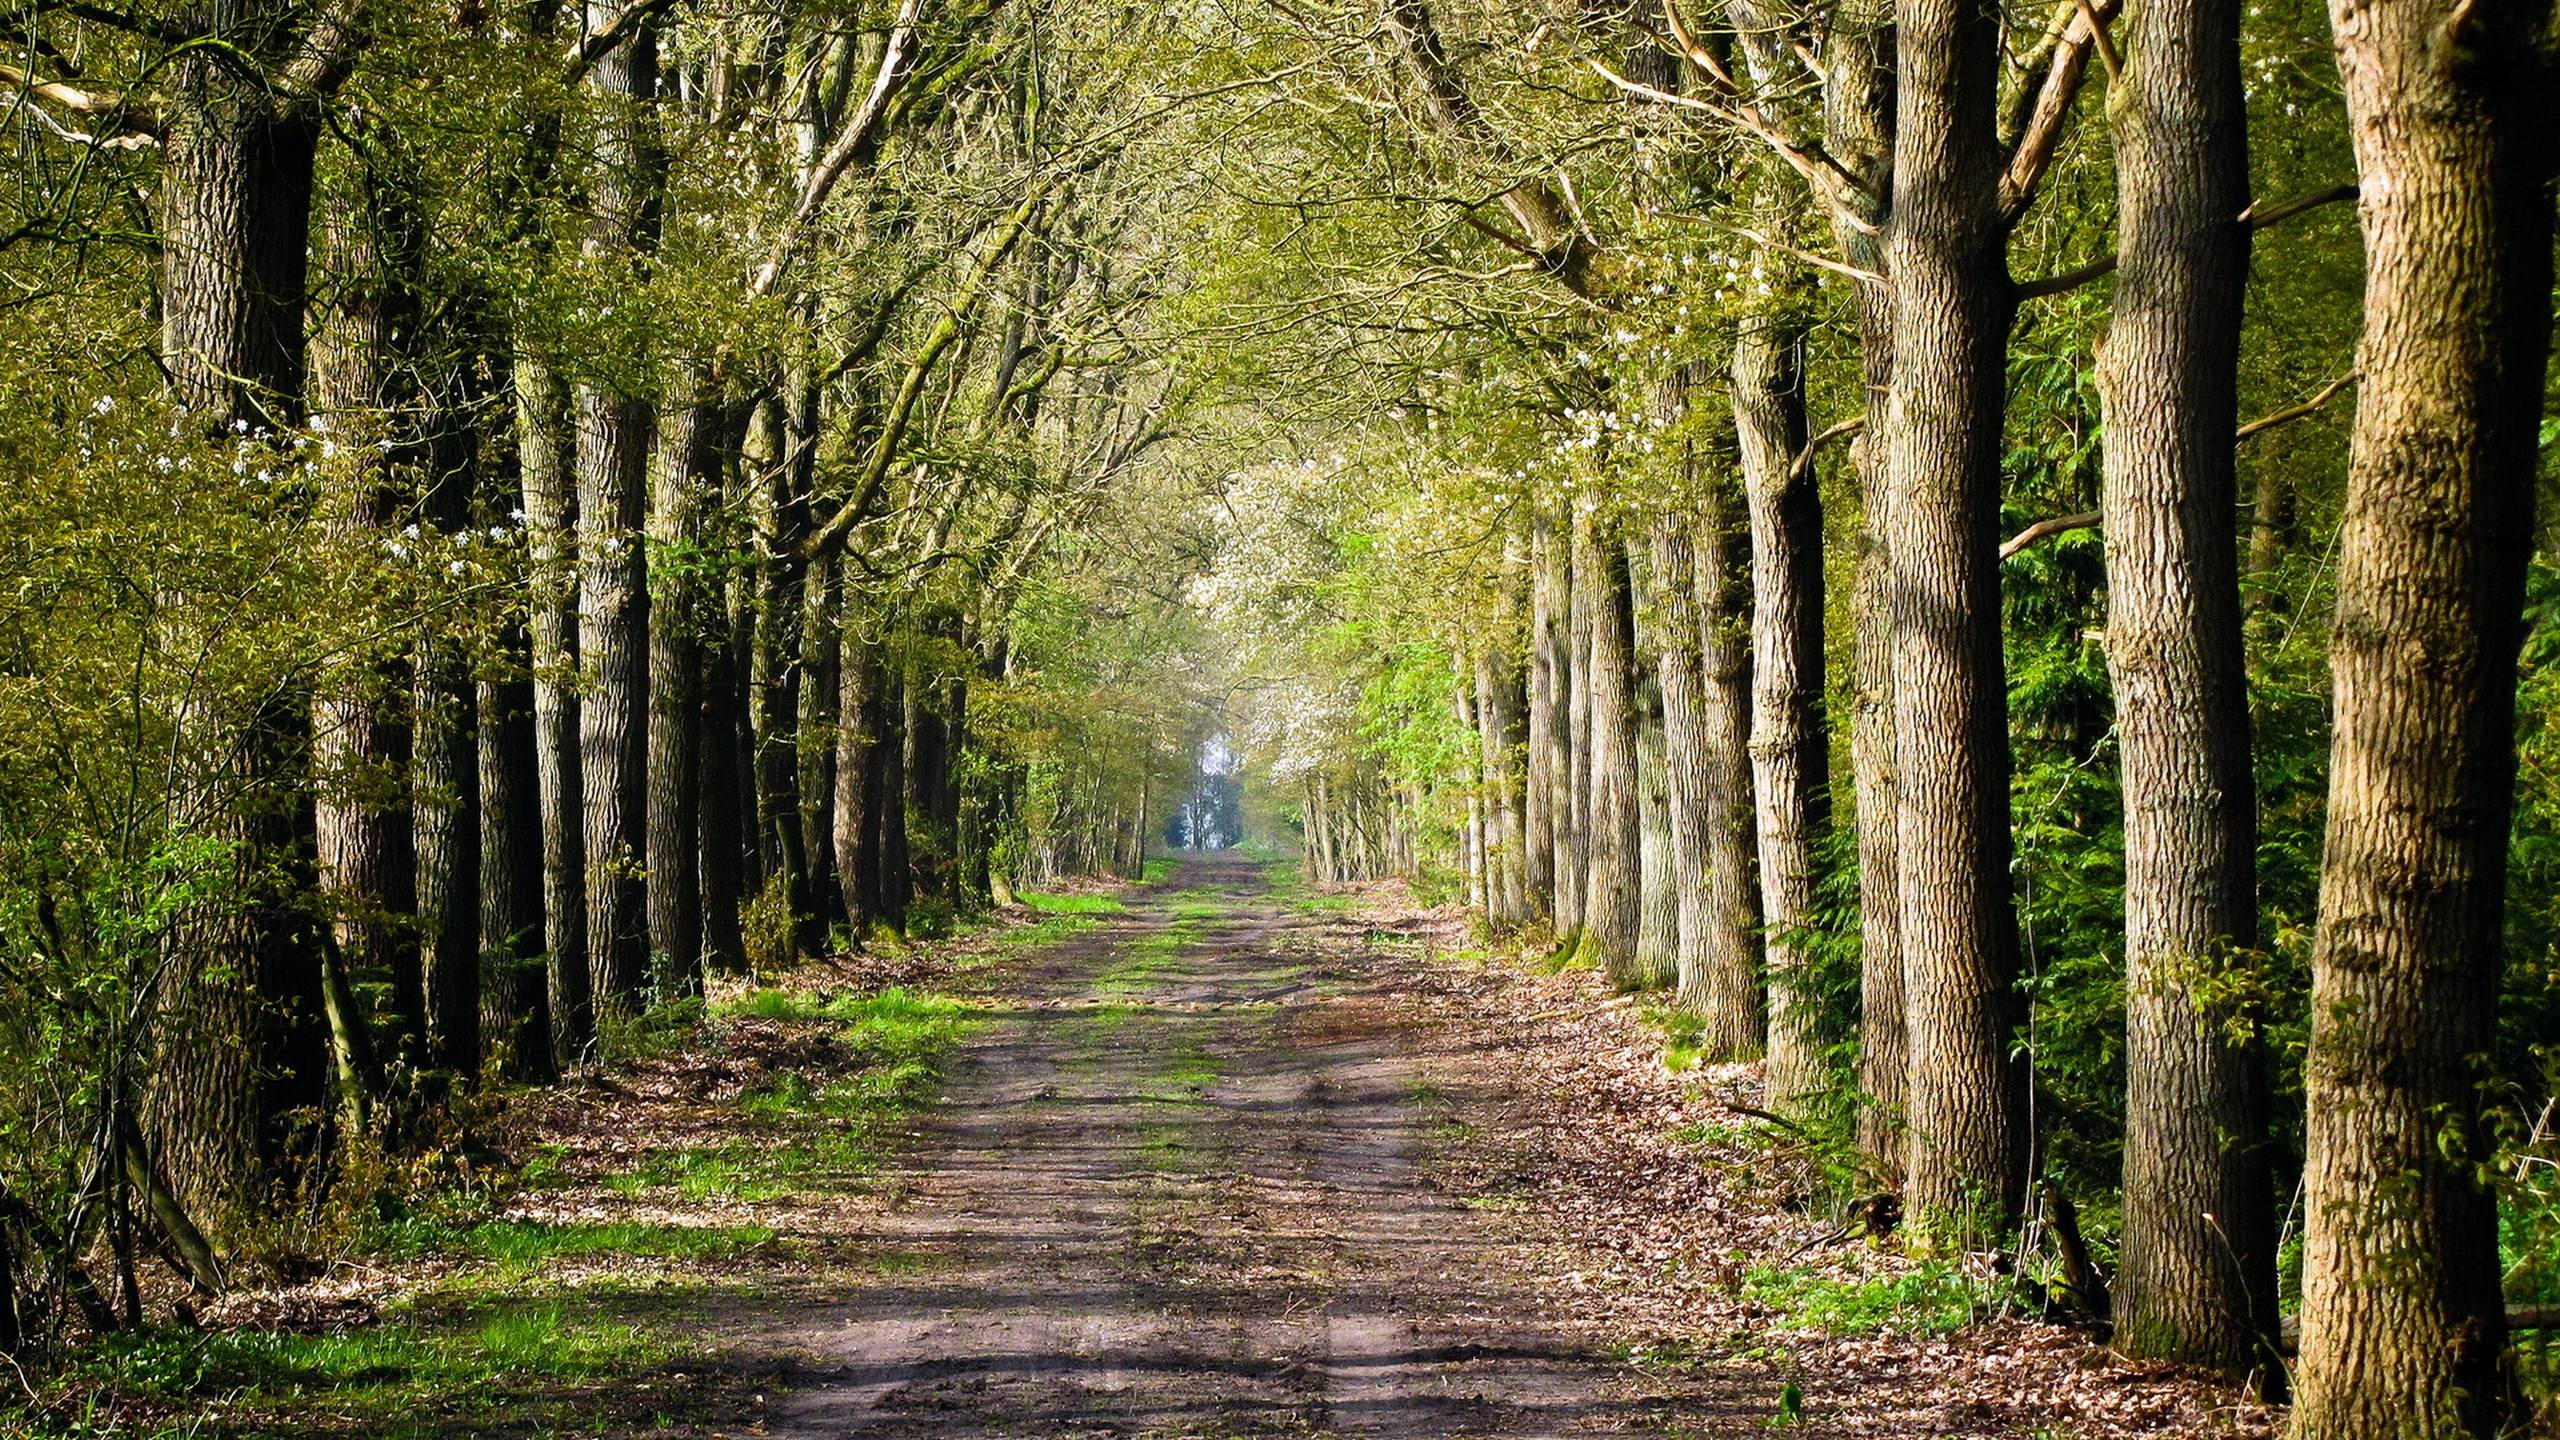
(522, 1246)
(1934, 1297)
(378, 1371)
(1073, 904)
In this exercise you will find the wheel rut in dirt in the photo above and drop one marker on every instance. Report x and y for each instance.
(1178, 1188)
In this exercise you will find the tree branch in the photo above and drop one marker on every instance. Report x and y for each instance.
(2047, 529)
(2090, 519)
(1803, 462)
(2105, 265)
(2042, 138)
(858, 140)
(2292, 413)
(600, 42)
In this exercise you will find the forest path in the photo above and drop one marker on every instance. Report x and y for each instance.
(1179, 1188)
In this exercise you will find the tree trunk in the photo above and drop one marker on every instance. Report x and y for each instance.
(2197, 1281)
(1721, 996)
(2403, 1332)
(1729, 952)
(684, 477)
(728, 787)
(551, 568)
(1471, 849)
(774, 677)
(446, 788)
(1497, 687)
(1953, 303)
(1550, 750)
(614, 424)
(236, 1047)
(1790, 746)
(1573, 811)
(1857, 128)
(361, 738)
(446, 799)
(822, 656)
(857, 826)
(515, 1006)
(1612, 917)
(1658, 888)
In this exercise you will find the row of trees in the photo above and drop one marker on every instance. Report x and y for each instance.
(518, 506)
(1788, 724)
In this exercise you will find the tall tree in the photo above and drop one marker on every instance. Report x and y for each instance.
(613, 415)
(545, 459)
(237, 1049)
(2198, 1280)
(1790, 748)
(2452, 113)
(1946, 242)
(1611, 917)
(1549, 755)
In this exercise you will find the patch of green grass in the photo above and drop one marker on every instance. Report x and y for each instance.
(1684, 1035)
(546, 1168)
(654, 1034)
(819, 1132)
(1182, 1077)
(892, 1263)
(377, 1371)
(528, 1243)
(1289, 885)
(1937, 1298)
(1158, 870)
(1046, 931)
(1073, 904)
(1148, 960)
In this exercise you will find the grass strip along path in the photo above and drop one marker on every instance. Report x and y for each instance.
(1212, 1156)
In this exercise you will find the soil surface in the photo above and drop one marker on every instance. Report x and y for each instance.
(1189, 1194)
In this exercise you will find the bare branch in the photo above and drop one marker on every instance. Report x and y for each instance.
(858, 140)
(2090, 519)
(2292, 413)
(2047, 529)
(2042, 138)
(1803, 463)
(2105, 265)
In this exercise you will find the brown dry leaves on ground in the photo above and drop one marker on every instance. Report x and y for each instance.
(1653, 1198)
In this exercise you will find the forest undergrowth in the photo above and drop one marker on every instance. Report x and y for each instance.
(597, 1257)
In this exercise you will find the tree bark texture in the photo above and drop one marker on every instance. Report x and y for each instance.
(1549, 752)
(515, 1007)
(2451, 110)
(1612, 916)
(2197, 1279)
(551, 575)
(236, 1047)
(1497, 693)
(1857, 129)
(1657, 962)
(362, 738)
(1790, 743)
(1734, 999)
(683, 483)
(614, 420)
(1953, 304)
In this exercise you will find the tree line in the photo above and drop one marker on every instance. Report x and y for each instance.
(1991, 555)
(519, 507)
(1811, 544)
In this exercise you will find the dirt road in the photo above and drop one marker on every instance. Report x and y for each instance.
(1179, 1189)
